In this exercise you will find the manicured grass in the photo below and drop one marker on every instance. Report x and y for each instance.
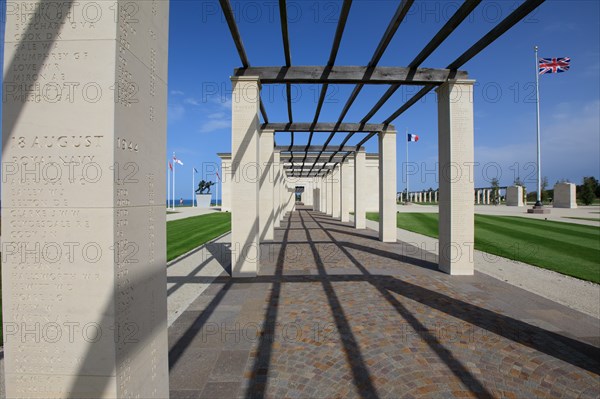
(183, 235)
(573, 217)
(567, 248)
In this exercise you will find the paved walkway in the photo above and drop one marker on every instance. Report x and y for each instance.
(187, 212)
(336, 313)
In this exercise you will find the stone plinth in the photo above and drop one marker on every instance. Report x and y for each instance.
(83, 237)
(564, 196)
(514, 196)
(539, 209)
(203, 200)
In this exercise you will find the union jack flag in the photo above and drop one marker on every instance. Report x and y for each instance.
(554, 65)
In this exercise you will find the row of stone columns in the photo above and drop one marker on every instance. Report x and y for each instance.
(483, 196)
(256, 181)
(421, 196)
(349, 179)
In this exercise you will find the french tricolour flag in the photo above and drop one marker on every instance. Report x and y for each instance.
(413, 137)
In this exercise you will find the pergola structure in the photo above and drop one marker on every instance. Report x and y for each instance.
(257, 195)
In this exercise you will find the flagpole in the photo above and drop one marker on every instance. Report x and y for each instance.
(537, 104)
(193, 184)
(168, 184)
(174, 165)
(406, 168)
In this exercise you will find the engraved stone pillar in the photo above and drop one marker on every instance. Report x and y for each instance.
(347, 180)
(387, 186)
(337, 192)
(266, 204)
(564, 196)
(514, 196)
(456, 154)
(83, 200)
(360, 190)
(246, 176)
(277, 188)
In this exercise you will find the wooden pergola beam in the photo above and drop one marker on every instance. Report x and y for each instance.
(390, 31)
(339, 32)
(312, 149)
(325, 127)
(517, 15)
(350, 75)
(239, 45)
(457, 18)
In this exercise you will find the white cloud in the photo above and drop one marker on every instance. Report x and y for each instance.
(177, 93)
(569, 145)
(217, 115)
(191, 101)
(214, 124)
(176, 112)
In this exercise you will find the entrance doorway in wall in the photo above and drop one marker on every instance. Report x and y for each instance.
(299, 192)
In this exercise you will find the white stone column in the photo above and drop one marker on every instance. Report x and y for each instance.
(487, 197)
(277, 188)
(436, 196)
(225, 182)
(266, 217)
(337, 192)
(329, 181)
(456, 157)
(347, 189)
(360, 190)
(387, 186)
(245, 224)
(83, 200)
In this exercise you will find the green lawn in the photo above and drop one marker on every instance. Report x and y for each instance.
(183, 235)
(566, 248)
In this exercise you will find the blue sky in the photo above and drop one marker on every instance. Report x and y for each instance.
(202, 56)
